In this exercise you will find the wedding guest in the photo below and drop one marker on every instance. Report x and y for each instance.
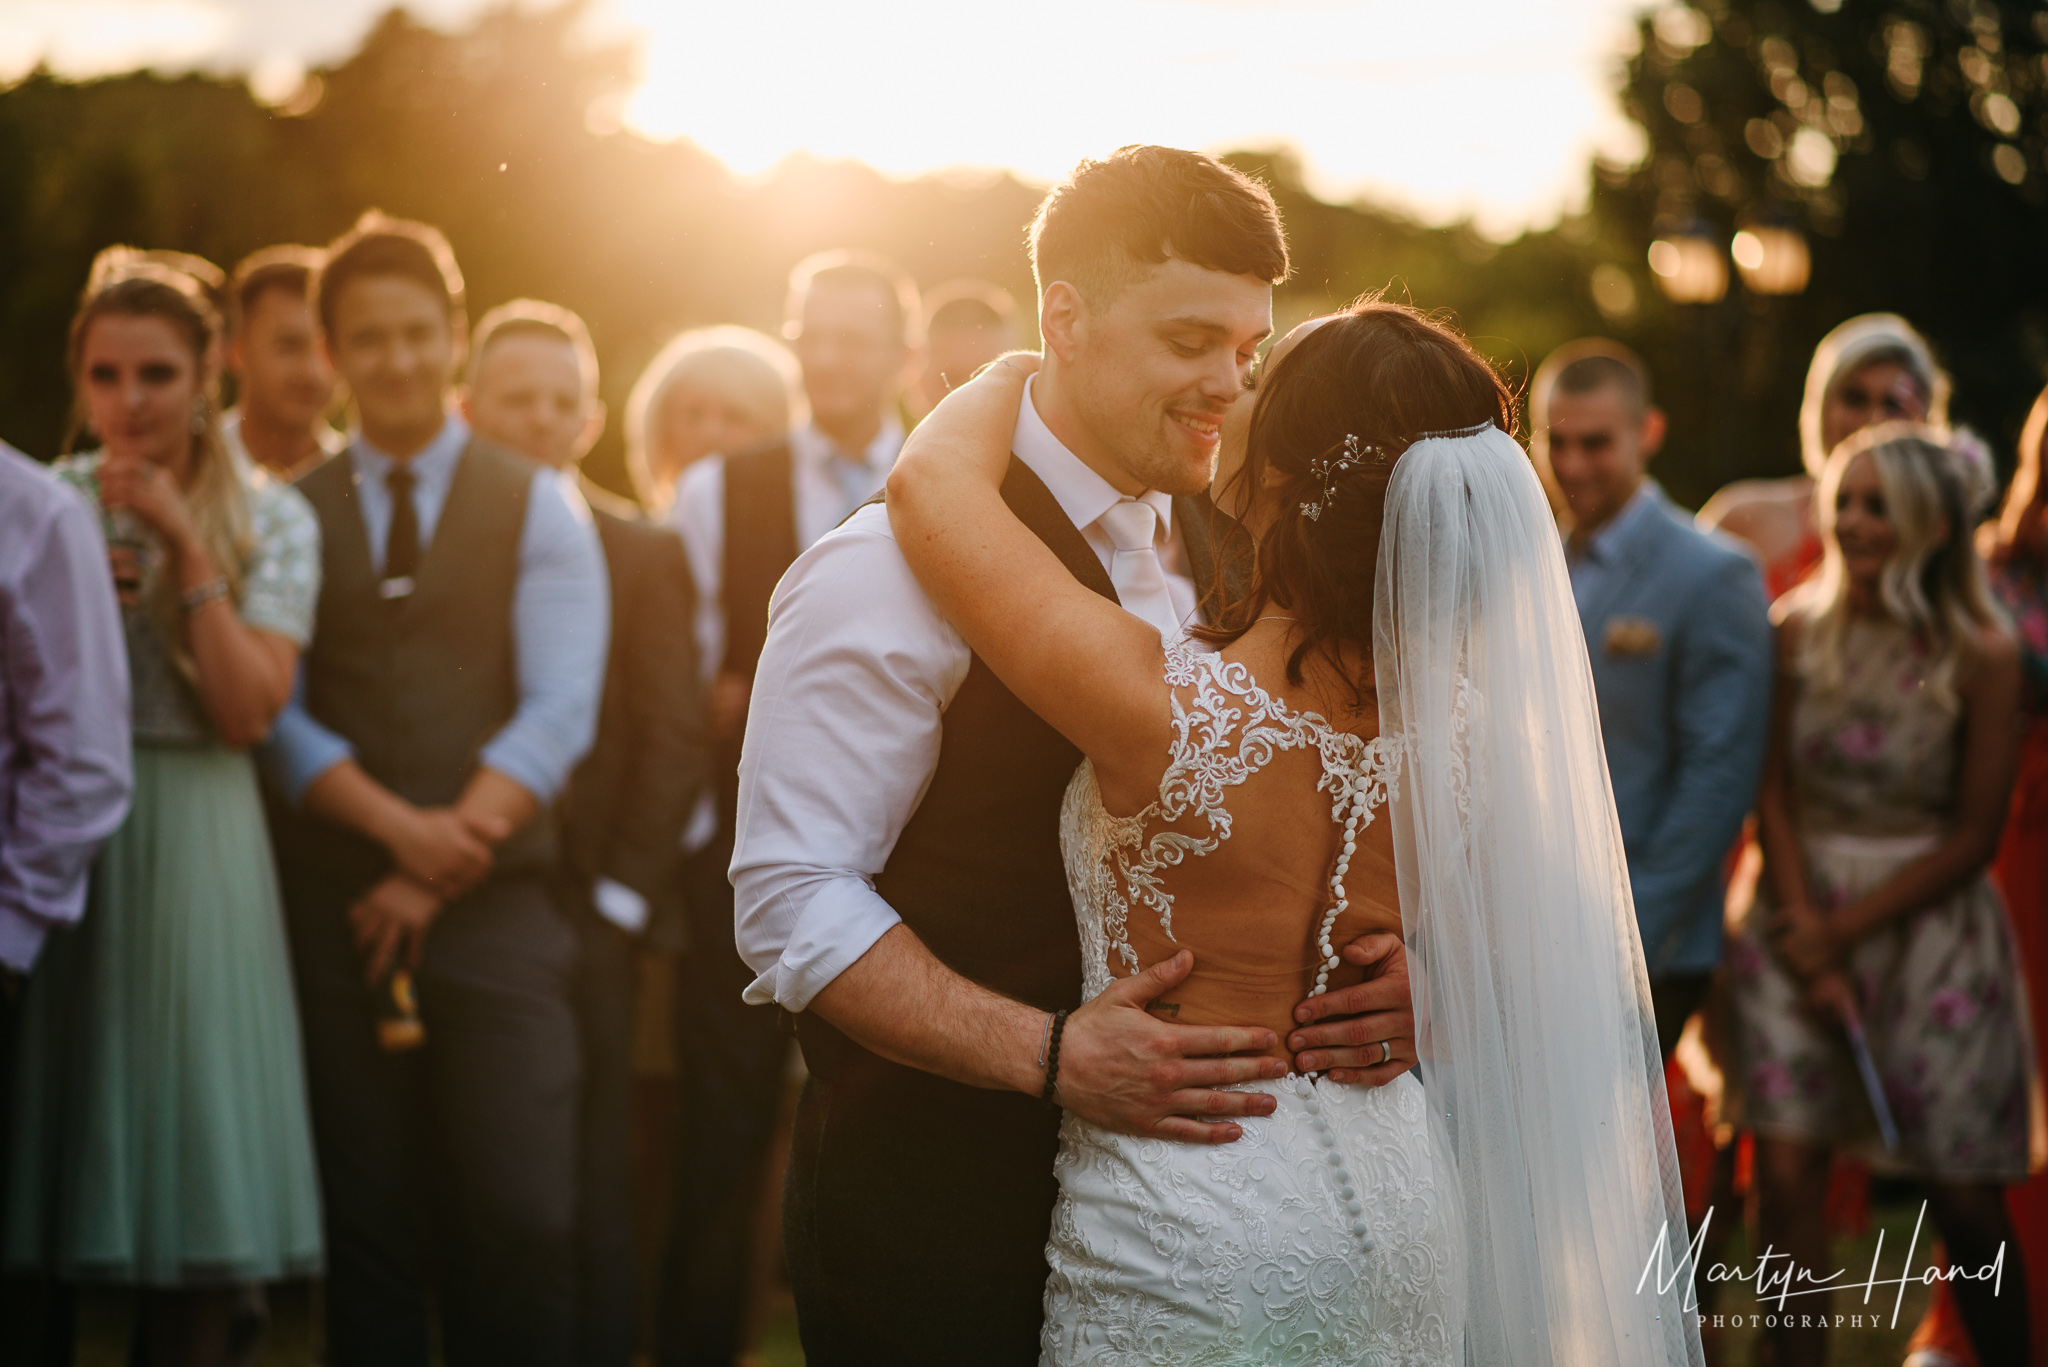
(533, 390)
(1680, 639)
(968, 324)
(1885, 787)
(161, 1138)
(855, 322)
(711, 391)
(2015, 544)
(65, 767)
(451, 684)
(210, 280)
(283, 383)
(1874, 368)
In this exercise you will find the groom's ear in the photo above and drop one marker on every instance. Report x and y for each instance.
(1062, 319)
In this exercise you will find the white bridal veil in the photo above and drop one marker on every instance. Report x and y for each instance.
(1539, 1048)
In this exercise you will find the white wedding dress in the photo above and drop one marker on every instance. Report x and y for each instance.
(1514, 1202)
(1322, 1237)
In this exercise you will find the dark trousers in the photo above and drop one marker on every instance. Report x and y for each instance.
(18, 1305)
(36, 1311)
(607, 1271)
(730, 1060)
(916, 1215)
(452, 1165)
(1674, 998)
(13, 989)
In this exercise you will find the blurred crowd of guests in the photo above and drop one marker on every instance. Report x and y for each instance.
(355, 785)
(366, 801)
(1816, 697)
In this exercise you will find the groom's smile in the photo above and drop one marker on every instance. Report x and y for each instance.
(1205, 428)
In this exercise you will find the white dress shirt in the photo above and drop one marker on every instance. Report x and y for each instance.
(66, 765)
(829, 485)
(848, 711)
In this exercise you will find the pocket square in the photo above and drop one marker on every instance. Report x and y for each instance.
(1632, 637)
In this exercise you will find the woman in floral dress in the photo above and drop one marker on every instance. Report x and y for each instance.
(1884, 796)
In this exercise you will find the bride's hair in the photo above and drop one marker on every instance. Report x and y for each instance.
(1383, 374)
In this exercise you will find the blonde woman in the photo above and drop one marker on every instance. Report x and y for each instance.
(1875, 368)
(1884, 795)
(714, 391)
(162, 1140)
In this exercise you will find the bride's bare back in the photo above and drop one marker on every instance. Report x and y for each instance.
(1237, 850)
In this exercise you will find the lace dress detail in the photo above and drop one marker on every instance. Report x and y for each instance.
(1322, 1236)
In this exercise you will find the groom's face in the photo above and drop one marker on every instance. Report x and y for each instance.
(1157, 369)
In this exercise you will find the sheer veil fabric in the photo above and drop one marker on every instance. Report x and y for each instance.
(1533, 1021)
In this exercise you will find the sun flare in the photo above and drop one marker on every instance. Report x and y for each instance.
(1481, 107)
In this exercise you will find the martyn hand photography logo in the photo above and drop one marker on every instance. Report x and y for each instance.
(1777, 1280)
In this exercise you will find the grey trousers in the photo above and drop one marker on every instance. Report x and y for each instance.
(449, 1173)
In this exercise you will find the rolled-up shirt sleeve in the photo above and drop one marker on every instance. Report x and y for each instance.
(68, 768)
(299, 749)
(561, 625)
(842, 739)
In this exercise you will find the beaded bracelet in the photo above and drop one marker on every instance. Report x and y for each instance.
(194, 599)
(1058, 1027)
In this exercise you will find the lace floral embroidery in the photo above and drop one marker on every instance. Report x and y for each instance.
(1226, 729)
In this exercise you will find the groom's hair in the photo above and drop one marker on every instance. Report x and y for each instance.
(1138, 206)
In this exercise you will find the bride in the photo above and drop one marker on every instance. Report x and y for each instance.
(1393, 729)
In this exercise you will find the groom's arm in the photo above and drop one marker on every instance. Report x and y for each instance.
(1120, 1067)
(842, 740)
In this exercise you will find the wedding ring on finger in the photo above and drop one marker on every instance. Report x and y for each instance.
(1386, 1050)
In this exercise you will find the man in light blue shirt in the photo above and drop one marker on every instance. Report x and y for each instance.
(451, 684)
(558, 612)
(1680, 641)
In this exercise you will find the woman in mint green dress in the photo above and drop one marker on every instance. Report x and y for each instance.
(162, 1139)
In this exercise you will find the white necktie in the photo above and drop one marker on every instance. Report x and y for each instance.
(1139, 578)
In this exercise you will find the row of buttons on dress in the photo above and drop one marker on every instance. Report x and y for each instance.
(1340, 1175)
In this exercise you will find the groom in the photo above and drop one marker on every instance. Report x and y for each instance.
(899, 882)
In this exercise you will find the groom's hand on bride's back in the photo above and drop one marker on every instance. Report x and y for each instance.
(1125, 1069)
(1364, 1033)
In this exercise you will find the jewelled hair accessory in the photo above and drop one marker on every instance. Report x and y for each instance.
(1356, 453)
(1326, 468)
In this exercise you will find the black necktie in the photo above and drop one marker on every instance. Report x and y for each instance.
(402, 547)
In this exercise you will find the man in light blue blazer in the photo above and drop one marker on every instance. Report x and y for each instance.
(1680, 639)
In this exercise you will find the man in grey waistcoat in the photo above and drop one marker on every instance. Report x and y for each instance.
(451, 684)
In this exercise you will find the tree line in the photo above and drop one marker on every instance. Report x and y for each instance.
(1906, 143)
